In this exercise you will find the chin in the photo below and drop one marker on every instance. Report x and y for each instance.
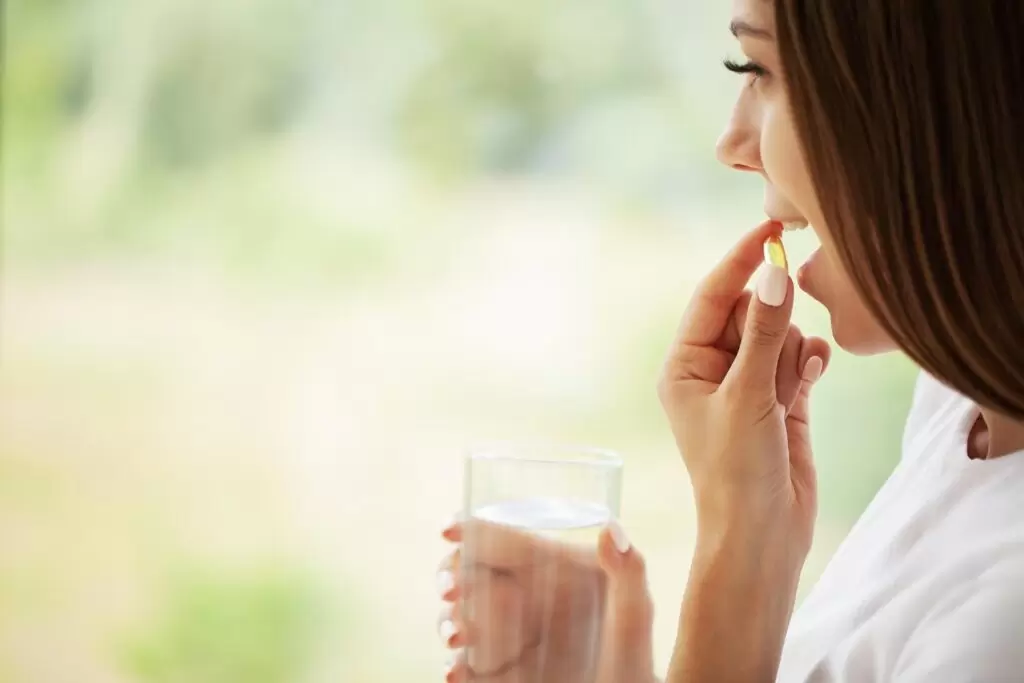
(860, 337)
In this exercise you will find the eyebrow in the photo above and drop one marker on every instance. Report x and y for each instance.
(738, 28)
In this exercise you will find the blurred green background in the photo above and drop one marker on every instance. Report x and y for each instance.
(270, 266)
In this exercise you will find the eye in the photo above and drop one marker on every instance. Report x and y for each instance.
(749, 67)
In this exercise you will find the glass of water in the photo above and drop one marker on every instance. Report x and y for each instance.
(533, 593)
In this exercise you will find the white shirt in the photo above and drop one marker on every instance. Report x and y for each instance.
(929, 585)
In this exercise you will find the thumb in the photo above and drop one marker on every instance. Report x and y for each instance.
(626, 652)
(765, 332)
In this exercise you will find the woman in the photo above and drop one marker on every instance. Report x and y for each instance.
(894, 129)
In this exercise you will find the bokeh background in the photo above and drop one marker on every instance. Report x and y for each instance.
(270, 266)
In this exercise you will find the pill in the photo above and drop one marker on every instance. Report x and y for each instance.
(775, 252)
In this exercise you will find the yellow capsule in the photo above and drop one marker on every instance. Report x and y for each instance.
(775, 252)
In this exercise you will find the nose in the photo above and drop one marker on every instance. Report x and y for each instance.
(739, 147)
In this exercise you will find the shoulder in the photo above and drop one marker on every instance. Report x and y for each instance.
(975, 632)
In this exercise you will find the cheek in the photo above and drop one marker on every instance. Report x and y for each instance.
(783, 162)
(853, 327)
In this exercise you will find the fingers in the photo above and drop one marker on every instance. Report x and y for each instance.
(446, 578)
(482, 567)
(767, 327)
(448, 583)
(487, 582)
(497, 545)
(801, 460)
(795, 351)
(787, 372)
(451, 629)
(712, 303)
(815, 346)
(814, 359)
(626, 636)
(457, 669)
(733, 333)
(453, 532)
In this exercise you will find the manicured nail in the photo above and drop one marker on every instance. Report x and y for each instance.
(448, 632)
(772, 285)
(450, 526)
(619, 537)
(813, 368)
(445, 582)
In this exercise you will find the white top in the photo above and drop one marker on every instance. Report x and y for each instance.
(929, 585)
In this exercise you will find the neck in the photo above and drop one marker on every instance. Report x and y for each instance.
(995, 435)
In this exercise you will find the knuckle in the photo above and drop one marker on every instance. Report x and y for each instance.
(709, 295)
(677, 368)
(764, 332)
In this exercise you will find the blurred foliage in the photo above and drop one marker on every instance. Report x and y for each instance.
(111, 104)
(509, 98)
(231, 628)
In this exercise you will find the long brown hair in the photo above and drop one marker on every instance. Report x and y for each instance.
(911, 118)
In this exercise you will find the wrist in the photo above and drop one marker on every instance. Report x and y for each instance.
(749, 546)
(739, 599)
(759, 562)
(767, 527)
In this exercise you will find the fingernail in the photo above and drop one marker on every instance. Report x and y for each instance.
(445, 582)
(448, 632)
(452, 523)
(619, 537)
(813, 368)
(772, 285)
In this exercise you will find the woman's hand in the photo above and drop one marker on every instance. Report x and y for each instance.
(735, 388)
(523, 604)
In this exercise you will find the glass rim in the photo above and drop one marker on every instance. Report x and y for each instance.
(546, 453)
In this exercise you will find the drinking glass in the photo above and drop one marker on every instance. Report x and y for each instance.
(532, 591)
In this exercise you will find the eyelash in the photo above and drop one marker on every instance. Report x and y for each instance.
(748, 67)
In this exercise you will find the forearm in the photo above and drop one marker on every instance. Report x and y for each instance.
(735, 613)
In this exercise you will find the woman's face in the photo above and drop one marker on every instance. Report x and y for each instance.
(760, 137)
